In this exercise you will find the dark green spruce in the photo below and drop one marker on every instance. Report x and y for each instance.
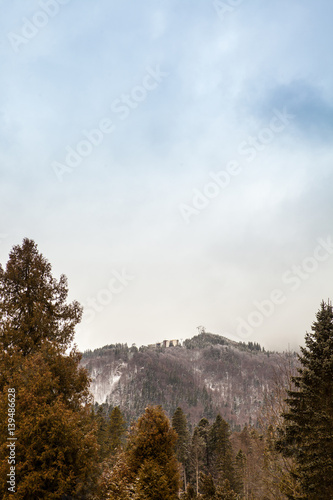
(307, 435)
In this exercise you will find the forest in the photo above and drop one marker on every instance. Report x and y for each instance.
(208, 375)
(55, 443)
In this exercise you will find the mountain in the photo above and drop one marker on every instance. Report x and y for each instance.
(206, 375)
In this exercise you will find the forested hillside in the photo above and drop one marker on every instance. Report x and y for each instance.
(209, 420)
(208, 375)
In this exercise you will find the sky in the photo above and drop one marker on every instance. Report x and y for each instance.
(174, 161)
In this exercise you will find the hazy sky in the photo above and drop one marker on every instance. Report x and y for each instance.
(174, 160)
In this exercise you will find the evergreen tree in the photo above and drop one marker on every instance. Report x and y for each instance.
(153, 482)
(57, 449)
(190, 493)
(207, 487)
(197, 456)
(225, 492)
(102, 433)
(116, 430)
(240, 466)
(148, 469)
(179, 424)
(116, 482)
(221, 451)
(210, 492)
(33, 306)
(307, 434)
(204, 428)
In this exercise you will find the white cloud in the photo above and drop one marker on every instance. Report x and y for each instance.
(120, 206)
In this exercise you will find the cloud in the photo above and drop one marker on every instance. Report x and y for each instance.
(119, 207)
(313, 113)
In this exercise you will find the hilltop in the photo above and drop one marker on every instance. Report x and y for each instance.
(206, 375)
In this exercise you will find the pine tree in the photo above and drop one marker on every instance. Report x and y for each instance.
(57, 449)
(307, 434)
(179, 424)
